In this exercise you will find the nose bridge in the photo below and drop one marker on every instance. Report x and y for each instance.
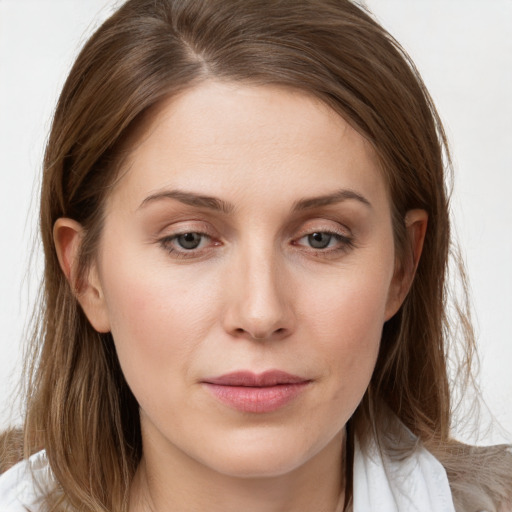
(260, 307)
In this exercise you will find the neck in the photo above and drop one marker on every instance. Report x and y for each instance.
(179, 484)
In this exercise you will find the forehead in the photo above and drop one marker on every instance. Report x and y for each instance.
(225, 137)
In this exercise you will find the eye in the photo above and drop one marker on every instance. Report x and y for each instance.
(183, 243)
(189, 240)
(320, 240)
(327, 241)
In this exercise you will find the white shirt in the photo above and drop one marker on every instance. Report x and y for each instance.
(415, 484)
(19, 491)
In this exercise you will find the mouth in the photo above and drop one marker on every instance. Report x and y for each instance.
(256, 393)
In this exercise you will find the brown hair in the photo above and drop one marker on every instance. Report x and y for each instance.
(79, 407)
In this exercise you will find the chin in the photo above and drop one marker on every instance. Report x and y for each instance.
(267, 456)
(263, 464)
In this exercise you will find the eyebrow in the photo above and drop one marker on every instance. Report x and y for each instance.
(337, 197)
(214, 203)
(190, 199)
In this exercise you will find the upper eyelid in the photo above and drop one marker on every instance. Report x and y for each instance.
(342, 230)
(214, 232)
(186, 226)
(327, 231)
(296, 229)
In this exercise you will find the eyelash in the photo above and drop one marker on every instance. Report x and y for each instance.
(344, 242)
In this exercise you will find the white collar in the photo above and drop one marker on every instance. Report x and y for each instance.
(417, 483)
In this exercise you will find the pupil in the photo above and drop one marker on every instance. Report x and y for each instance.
(319, 240)
(189, 240)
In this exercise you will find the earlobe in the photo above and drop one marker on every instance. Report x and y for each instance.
(416, 227)
(67, 236)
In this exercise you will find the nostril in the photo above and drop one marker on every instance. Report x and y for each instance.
(240, 331)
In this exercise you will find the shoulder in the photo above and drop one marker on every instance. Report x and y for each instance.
(396, 468)
(479, 475)
(23, 486)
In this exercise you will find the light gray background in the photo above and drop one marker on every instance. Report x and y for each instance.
(463, 49)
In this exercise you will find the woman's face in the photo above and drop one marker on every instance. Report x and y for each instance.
(245, 270)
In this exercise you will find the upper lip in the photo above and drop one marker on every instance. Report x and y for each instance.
(250, 379)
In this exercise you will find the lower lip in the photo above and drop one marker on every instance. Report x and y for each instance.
(257, 399)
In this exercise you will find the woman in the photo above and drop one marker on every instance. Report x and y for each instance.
(246, 235)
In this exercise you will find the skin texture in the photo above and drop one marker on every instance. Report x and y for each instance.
(254, 295)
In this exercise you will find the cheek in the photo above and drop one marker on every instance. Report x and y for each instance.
(158, 319)
(346, 317)
(350, 307)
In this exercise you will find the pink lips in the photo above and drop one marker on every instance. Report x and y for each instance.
(250, 392)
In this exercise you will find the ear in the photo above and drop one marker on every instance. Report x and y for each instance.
(416, 226)
(67, 236)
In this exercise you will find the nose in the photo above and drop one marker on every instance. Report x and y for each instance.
(260, 305)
